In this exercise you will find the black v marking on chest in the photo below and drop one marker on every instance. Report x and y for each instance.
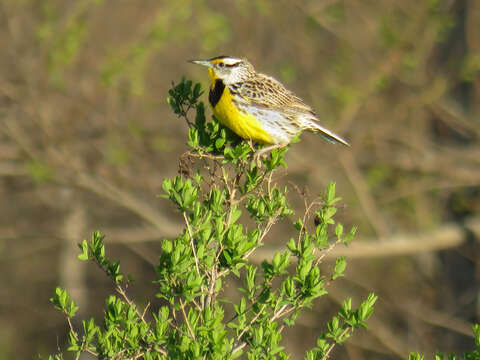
(216, 92)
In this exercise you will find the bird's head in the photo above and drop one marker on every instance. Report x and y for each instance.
(229, 69)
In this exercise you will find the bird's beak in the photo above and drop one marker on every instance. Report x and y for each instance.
(201, 62)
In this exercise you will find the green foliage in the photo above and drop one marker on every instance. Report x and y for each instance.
(340, 328)
(222, 180)
(62, 302)
(415, 356)
(95, 250)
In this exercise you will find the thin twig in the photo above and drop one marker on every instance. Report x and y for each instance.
(213, 281)
(324, 252)
(182, 306)
(189, 229)
(333, 345)
(243, 344)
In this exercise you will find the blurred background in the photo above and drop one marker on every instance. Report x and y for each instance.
(86, 137)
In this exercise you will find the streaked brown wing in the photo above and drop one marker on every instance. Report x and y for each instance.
(265, 91)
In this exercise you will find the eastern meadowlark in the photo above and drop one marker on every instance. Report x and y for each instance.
(256, 106)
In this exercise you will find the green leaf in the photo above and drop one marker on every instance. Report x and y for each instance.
(292, 246)
(298, 224)
(236, 213)
(62, 302)
(350, 236)
(476, 332)
(329, 196)
(339, 231)
(415, 356)
(219, 143)
(340, 265)
(84, 247)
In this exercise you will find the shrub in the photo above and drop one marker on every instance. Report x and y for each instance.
(221, 179)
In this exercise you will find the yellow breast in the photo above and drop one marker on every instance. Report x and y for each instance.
(241, 123)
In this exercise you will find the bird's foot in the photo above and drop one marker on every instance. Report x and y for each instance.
(257, 156)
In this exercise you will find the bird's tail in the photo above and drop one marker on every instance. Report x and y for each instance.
(328, 135)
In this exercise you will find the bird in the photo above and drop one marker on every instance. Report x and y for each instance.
(258, 107)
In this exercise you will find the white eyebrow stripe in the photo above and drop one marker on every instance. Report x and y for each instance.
(231, 61)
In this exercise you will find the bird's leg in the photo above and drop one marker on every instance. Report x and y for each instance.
(265, 150)
(250, 143)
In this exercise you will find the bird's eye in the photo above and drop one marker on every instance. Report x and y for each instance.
(221, 65)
